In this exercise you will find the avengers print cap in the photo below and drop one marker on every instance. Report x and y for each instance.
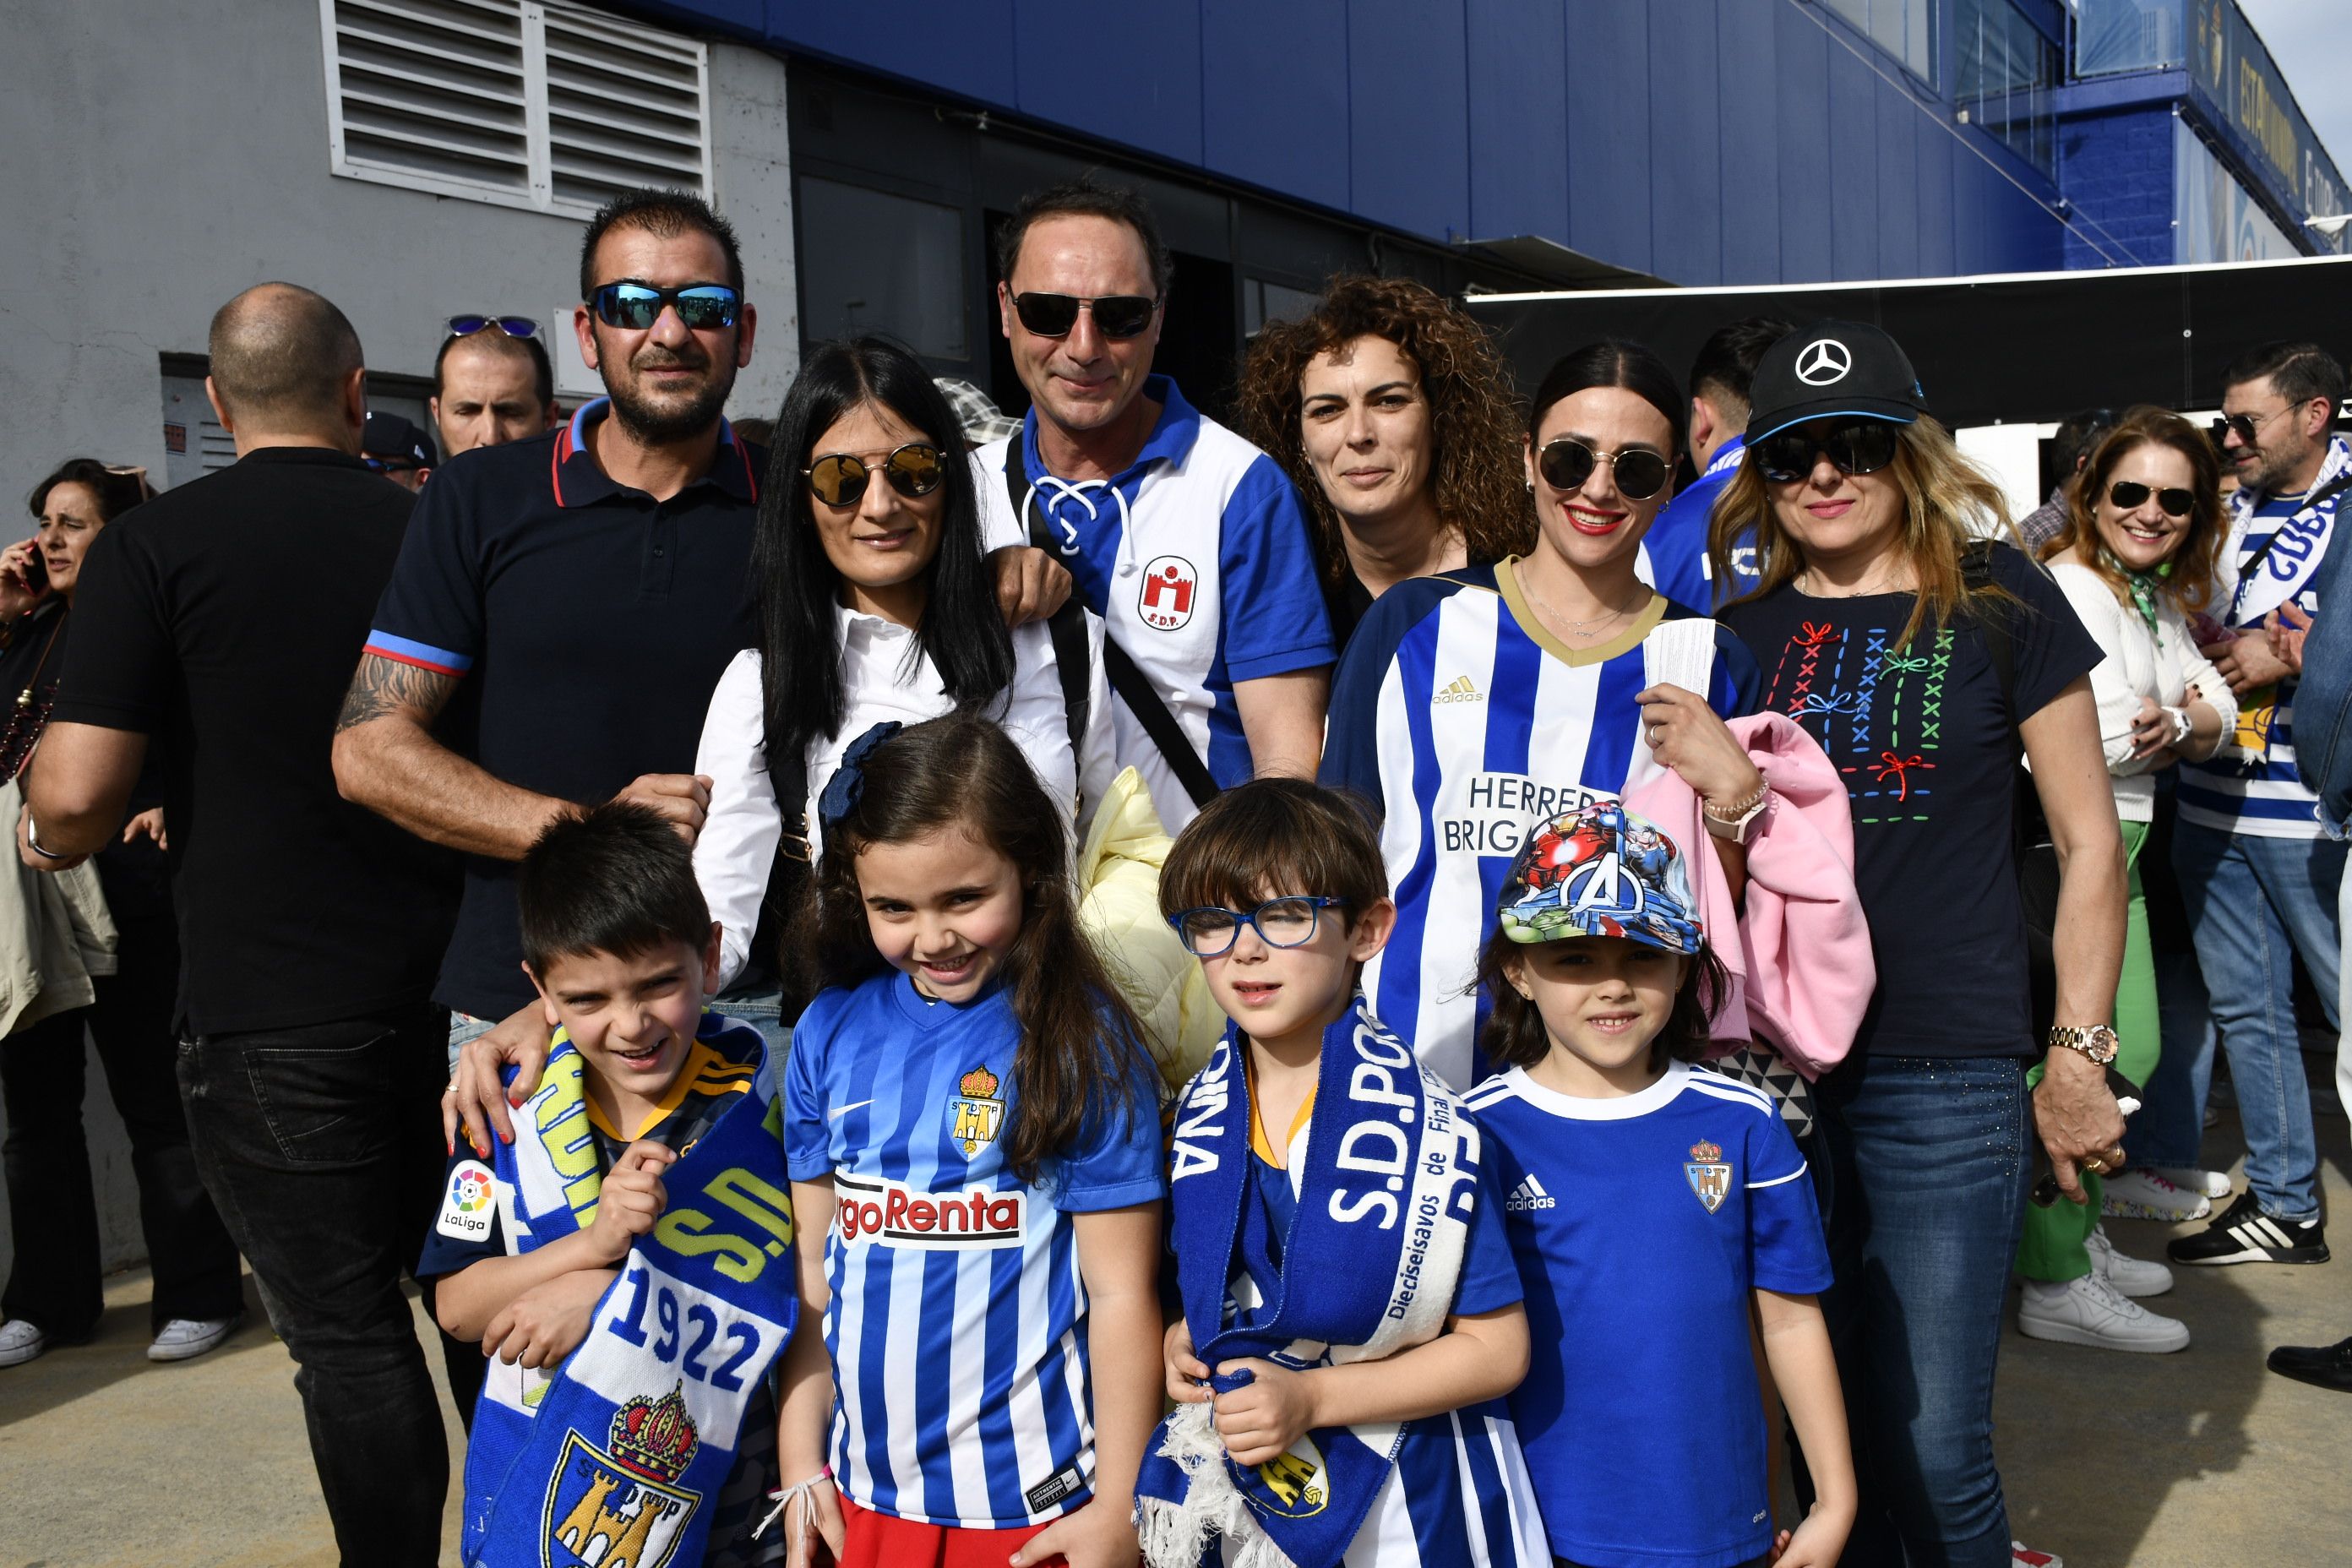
(1601, 870)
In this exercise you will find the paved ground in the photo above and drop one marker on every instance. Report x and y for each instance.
(2197, 1460)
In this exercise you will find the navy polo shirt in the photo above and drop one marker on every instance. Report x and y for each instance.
(588, 623)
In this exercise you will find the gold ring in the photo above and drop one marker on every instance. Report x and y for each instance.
(2095, 1165)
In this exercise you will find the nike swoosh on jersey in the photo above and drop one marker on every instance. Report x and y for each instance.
(838, 1111)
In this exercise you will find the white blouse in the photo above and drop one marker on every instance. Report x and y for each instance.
(2159, 667)
(885, 675)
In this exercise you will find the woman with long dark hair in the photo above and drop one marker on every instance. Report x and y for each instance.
(1921, 660)
(1473, 705)
(876, 603)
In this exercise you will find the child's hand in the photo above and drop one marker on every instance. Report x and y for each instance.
(814, 1520)
(631, 1199)
(1187, 1373)
(1262, 1418)
(1092, 1535)
(547, 1322)
(1816, 1543)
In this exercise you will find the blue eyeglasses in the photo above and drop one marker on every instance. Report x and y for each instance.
(1209, 931)
(638, 306)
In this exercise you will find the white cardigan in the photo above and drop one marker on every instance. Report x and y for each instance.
(2159, 667)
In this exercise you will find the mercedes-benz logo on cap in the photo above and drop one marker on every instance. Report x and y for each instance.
(1823, 362)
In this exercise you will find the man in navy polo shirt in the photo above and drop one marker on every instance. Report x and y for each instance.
(584, 589)
(1189, 542)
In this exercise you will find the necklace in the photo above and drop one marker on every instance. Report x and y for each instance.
(1809, 584)
(1566, 622)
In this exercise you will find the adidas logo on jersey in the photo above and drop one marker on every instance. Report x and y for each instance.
(1461, 690)
(1529, 1194)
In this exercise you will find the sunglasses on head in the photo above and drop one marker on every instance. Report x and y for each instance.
(2129, 496)
(638, 306)
(1566, 463)
(1855, 447)
(512, 326)
(839, 479)
(1053, 315)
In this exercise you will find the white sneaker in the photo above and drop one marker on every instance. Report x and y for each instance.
(2190, 1179)
(184, 1339)
(20, 1342)
(2129, 1276)
(2090, 1311)
(2138, 1194)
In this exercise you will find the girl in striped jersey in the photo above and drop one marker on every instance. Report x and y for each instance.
(1473, 705)
(972, 1133)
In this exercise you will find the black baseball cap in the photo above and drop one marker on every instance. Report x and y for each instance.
(395, 439)
(1831, 368)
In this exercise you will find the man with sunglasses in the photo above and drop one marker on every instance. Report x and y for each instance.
(2258, 874)
(1189, 542)
(492, 382)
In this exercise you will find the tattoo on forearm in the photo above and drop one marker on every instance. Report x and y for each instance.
(383, 686)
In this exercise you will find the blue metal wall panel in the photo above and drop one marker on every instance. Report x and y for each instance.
(1274, 111)
(1802, 137)
(1938, 248)
(1896, 220)
(1748, 84)
(1408, 115)
(1605, 77)
(1519, 142)
(965, 46)
(1686, 141)
(1854, 166)
(1129, 73)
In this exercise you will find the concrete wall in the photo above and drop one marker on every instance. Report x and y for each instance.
(143, 189)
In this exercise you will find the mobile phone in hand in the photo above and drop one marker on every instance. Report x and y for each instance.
(37, 572)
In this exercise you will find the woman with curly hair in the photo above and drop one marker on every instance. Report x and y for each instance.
(1393, 416)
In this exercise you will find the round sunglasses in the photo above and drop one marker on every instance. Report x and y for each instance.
(2126, 496)
(1854, 446)
(1566, 463)
(839, 479)
(1117, 316)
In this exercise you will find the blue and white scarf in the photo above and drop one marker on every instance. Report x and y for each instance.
(2300, 544)
(621, 1455)
(1368, 1269)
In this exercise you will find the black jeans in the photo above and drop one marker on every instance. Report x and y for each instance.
(322, 1146)
(54, 1282)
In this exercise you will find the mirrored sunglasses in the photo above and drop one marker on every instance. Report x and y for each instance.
(839, 479)
(638, 306)
(512, 326)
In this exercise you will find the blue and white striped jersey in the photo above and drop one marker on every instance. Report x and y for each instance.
(1197, 558)
(957, 1321)
(2251, 785)
(1463, 722)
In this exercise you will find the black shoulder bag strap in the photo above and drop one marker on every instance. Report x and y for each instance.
(1068, 625)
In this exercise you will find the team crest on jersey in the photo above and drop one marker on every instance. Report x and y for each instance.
(1295, 1478)
(619, 1506)
(975, 1111)
(1169, 587)
(1709, 1173)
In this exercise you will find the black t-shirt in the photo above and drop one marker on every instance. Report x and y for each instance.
(1922, 740)
(589, 624)
(222, 620)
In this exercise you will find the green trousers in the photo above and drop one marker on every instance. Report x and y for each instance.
(2053, 1246)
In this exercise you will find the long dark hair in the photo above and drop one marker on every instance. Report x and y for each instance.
(1081, 1047)
(962, 632)
(1515, 1034)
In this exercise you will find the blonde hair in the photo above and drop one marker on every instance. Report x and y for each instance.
(1948, 503)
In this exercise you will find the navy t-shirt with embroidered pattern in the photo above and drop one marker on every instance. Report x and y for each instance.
(1922, 739)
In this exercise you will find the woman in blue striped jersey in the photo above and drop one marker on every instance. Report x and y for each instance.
(1472, 705)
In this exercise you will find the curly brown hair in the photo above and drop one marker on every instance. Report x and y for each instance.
(2190, 582)
(1478, 478)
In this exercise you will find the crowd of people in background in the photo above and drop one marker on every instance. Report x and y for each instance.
(1103, 986)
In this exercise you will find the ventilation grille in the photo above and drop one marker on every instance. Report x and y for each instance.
(515, 101)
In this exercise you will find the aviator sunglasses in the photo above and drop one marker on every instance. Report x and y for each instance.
(1566, 463)
(839, 479)
(2129, 496)
(2245, 425)
(1855, 447)
(638, 306)
(1053, 315)
(512, 326)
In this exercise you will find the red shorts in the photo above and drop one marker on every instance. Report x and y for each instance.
(885, 1541)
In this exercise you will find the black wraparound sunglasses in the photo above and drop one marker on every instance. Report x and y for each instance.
(1566, 463)
(839, 479)
(1053, 315)
(638, 306)
(1855, 447)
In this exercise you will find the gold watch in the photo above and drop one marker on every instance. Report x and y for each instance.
(2096, 1041)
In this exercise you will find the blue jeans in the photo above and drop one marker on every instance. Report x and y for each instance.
(2170, 1127)
(1929, 1160)
(2255, 904)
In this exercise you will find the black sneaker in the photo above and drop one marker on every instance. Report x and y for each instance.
(2244, 1234)
(2329, 1366)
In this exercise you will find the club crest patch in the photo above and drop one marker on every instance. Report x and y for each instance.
(976, 1110)
(1171, 585)
(466, 1206)
(1709, 1173)
(1294, 1485)
(621, 1508)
